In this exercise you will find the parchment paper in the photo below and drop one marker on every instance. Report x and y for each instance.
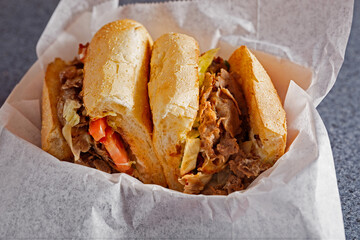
(42, 197)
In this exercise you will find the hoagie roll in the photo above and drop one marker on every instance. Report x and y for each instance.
(95, 109)
(217, 124)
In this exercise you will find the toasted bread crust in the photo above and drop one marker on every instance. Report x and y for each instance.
(266, 115)
(116, 70)
(174, 98)
(173, 92)
(52, 140)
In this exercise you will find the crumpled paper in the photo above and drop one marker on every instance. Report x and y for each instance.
(300, 43)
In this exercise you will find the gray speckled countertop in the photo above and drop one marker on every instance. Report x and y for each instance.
(339, 110)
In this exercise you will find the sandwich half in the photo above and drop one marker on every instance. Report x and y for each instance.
(95, 109)
(217, 124)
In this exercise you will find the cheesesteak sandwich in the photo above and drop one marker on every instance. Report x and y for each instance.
(217, 124)
(95, 109)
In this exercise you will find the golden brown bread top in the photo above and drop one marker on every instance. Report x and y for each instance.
(116, 71)
(266, 114)
(174, 77)
(174, 98)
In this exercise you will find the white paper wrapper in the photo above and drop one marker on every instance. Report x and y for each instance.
(42, 197)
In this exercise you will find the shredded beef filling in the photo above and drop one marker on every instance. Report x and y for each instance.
(93, 154)
(223, 128)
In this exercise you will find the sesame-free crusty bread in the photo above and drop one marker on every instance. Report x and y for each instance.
(174, 101)
(52, 140)
(174, 98)
(266, 115)
(116, 70)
